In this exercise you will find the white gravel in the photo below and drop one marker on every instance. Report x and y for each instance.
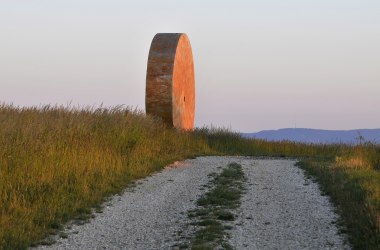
(280, 210)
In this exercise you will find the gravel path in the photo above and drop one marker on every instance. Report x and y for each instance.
(281, 210)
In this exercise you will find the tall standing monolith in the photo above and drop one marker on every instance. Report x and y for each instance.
(170, 84)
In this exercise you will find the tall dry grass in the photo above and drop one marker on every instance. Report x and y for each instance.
(352, 181)
(58, 162)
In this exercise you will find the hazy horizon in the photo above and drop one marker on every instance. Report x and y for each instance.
(299, 129)
(259, 65)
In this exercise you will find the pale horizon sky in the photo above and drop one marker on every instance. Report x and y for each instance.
(259, 65)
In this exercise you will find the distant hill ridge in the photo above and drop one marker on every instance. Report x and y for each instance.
(307, 135)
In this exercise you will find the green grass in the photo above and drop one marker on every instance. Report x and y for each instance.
(215, 206)
(57, 163)
(356, 192)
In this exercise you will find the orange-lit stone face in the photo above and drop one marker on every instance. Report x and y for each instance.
(170, 84)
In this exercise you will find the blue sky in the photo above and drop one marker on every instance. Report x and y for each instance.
(258, 64)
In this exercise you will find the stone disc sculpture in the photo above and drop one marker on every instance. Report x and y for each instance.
(170, 84)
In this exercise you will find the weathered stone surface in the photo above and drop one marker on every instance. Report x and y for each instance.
(170, 84)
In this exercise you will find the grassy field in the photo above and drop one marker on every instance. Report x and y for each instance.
(56, 163)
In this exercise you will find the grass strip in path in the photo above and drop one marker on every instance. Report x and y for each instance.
(215, 208)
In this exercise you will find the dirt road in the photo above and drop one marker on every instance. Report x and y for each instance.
(281, 209)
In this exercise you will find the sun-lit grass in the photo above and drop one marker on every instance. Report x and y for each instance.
(58, 162)
(364, 156)
(353, 183)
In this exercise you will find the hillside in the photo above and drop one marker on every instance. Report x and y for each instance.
(305, 135)
(59, 164)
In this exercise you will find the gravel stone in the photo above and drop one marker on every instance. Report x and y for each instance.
(152, 215)
(281, 209)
